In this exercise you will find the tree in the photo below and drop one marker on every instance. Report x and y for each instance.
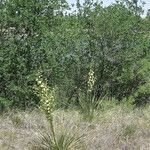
(39, 35)
(26, 28)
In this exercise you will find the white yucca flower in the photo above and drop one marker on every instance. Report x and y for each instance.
(91, 80)
(46, 96)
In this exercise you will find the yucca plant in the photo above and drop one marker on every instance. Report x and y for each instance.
(87, 107)
(46, 96)
(64, 142)
(87, 102)
(52, 141)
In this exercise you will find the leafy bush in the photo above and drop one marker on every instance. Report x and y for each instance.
(142, 96)
(39, 34)
(4, 104)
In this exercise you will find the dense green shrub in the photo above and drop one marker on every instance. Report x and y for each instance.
(40, 35)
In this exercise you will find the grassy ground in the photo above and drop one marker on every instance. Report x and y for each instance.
(115, 129)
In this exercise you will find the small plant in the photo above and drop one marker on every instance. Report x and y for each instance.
(129, 130)
(53, 141)
(17, 121)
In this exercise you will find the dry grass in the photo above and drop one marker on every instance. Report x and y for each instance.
(115, 129)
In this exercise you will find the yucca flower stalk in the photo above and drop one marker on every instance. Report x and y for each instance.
(91, 103)
(91, 80)
(47, 99)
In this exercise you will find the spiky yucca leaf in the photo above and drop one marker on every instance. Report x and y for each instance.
(64, 142)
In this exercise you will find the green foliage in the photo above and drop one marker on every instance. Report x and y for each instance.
(128, 103)
(142, 94)
(88, 107)
(63, 44)
(106, 104)
(129, 130)
(4, 104)
(26, 33)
